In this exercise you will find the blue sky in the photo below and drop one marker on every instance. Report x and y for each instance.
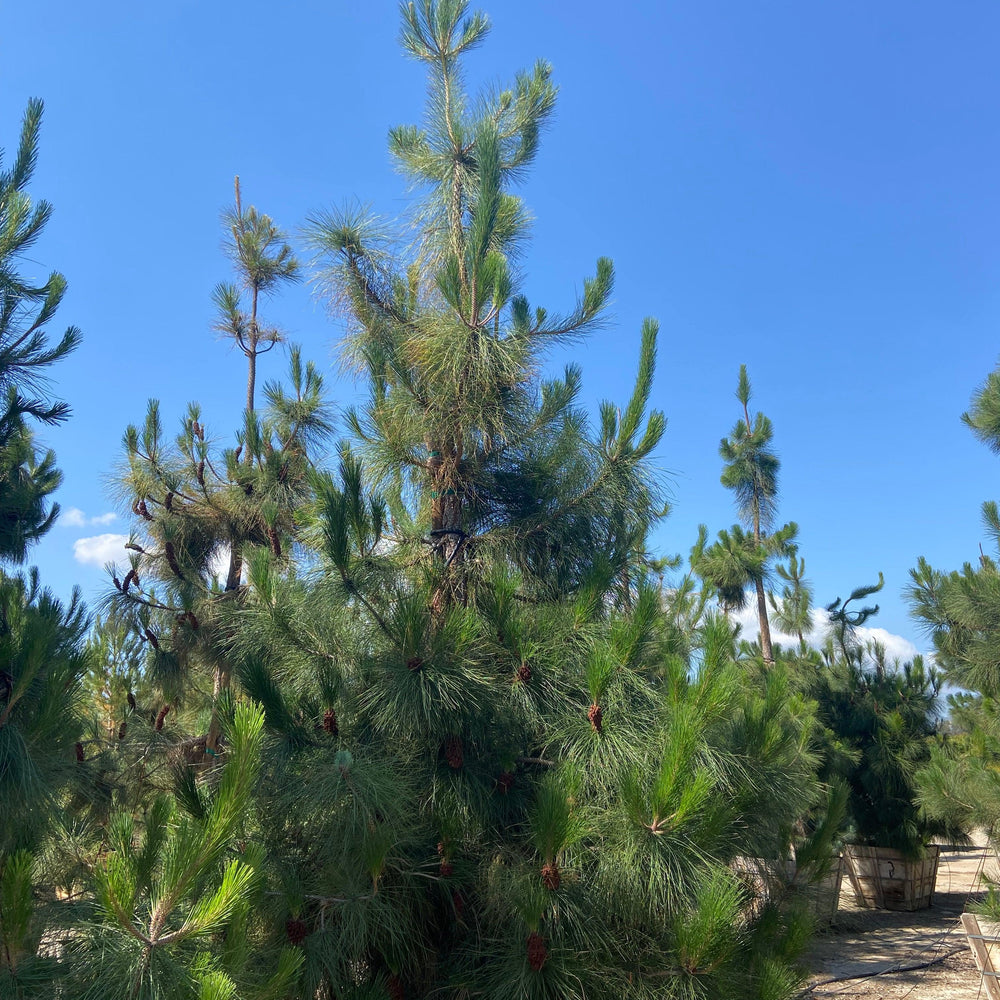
(809, 189)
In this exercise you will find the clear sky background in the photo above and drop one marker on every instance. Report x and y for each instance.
(810, 189)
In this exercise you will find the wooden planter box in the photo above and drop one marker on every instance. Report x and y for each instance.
(984, 940)
(822, 896)
(883, 879)
(768, 881)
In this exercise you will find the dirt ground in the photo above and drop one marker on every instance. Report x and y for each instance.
(883, 955)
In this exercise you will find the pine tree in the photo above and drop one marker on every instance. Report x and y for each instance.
(41, 656)
(961, 609)
(794, 614)
(459, 434)
(751, 472)
(27, 479)
(201, 510)
(490, 770)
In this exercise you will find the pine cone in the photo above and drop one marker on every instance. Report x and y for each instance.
(200, 472)
(394, 987)
(272, 537)
(524, 672)
(297, 931)
(168, 551)
(160, 716)
(414, 663)
(596, 716)
(453, 752)
(130, 698)
(447, 869)
(151, 636)
(505, 782)
(122, 729)
(330, 722)
(117, 583)
(551, 878)
(79, 752)
(140, 508)
(537, 952)
(168, 500)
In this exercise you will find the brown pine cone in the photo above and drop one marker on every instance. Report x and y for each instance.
(79, 752)
(551, 878)
(151, 636)
(414, 663)
(524, 672)
(330, 722)
(168, 551)
(297, 931)
(447, 869)
(394, 987)
(453, 752)
(537, 952)
(596, 715)
(505, 782)
(160, 716)
(122, 729)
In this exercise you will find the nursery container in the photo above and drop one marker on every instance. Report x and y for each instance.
(883, 878)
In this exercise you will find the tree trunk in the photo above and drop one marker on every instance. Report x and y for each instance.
(446, 526)
(765, 627)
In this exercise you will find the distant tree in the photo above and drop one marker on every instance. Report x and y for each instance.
(751, 472)
(793, 615)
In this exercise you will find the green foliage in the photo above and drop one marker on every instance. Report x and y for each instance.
(167, 887)
(27, 479)
(740, 558)
(435, 728)
(883, 719)
(961, 610)
(459, 437)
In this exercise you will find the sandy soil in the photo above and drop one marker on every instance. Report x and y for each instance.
(873, 953)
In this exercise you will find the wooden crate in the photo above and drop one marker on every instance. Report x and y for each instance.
(768, 881)
(884, 879)
(821, 896)
(984, 940)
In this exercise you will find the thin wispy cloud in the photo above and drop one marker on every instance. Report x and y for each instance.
(76, 518)
(99, 550)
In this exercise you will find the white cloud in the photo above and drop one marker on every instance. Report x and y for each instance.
(75, 518)
(99, 550)
(218, 564)
(896, 646)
